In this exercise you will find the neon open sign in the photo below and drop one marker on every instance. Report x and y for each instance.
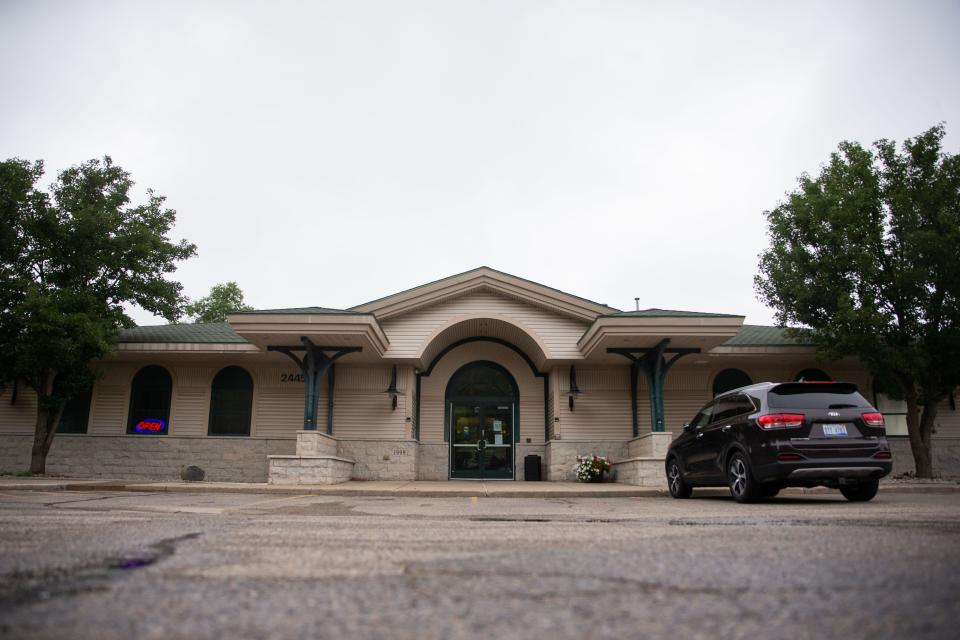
(150, 425)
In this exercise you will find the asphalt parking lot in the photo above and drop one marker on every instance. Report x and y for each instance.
(121, 565)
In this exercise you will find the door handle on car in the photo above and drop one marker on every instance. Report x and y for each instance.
(727, 428)
(699, 434)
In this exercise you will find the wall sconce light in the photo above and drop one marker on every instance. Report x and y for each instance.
(392, 389)
(574, 389)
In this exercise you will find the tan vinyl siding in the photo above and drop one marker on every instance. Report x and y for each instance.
(602, 412)
(361, 408)
(947, 422)
(20, 416)
(277, 402)
(408, 334)
(190, 402)
(433, 390)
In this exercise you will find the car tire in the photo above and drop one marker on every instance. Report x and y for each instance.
(743, 487)
(861, 492)
(679, 488)
(769, 490)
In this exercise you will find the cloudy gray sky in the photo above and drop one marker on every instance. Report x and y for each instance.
(328, 153)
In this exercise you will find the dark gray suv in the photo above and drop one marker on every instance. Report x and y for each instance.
(764, 437)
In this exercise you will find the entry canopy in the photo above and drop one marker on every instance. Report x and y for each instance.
(323, 327)
(646, 328)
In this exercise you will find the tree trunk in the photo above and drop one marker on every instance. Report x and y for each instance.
(919, 429)
(46, 426)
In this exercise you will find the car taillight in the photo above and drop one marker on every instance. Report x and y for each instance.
(780, 420)
(873, 419)
(883, 455)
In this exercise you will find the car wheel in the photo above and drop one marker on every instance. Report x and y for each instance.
(678, 487)
(861, 492)
(769, 490)
(743, 487)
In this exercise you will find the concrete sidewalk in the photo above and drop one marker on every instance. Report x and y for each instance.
(434, 489)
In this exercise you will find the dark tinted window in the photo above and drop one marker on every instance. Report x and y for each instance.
(481, 380)
(702, 419)
(76, 412)
(150, 401)
(731, 406)
(813, 375)
(231, 401)
(730, 379)
(816, 396)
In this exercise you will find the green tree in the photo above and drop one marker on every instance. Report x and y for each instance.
(866, 256)
(70, 259)
(223, 300)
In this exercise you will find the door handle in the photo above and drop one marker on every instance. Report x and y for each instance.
(727, 428)
(699, 434)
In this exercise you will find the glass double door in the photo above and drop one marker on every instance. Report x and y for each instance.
(481, 440)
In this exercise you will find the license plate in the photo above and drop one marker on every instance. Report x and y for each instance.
(834, 430)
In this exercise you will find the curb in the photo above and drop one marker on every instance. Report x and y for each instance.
(355, 491)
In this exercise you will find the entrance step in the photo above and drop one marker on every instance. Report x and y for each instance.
(287, 470)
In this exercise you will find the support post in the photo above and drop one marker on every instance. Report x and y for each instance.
(651, 362)
(313, 365)
(331, 372)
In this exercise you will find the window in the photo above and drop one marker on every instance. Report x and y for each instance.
(730, 379)
(76, 414)
(481, 380)
(702, 419)
(231, 403)
(813, 375)
(894, 411)
(150, 401)
(730, 407)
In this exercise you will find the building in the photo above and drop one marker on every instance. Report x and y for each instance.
(459, 378)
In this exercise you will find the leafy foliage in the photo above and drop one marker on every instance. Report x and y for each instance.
(865, 255)
(223, 300)
(70, 259)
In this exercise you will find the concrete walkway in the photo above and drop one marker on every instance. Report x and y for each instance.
(451, 488)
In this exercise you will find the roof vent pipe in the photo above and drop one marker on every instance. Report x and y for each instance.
(637, 302)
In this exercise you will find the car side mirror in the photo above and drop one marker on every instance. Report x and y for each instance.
(687, 427)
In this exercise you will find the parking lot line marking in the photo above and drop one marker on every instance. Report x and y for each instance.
(268, 501)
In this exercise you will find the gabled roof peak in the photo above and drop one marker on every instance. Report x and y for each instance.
(484, 276)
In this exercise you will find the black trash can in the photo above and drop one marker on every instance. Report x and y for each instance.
(531, 467)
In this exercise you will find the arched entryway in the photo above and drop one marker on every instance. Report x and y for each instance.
(482, 408)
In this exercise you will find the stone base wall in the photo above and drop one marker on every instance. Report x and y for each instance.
(653, 444)
(946, 457)
(315, 443)
(381, 459)
(148, 457)
(561, 455)
(643, 472)
(309, 470)
(433, 462)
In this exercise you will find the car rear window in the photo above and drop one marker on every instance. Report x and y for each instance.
(799, 395)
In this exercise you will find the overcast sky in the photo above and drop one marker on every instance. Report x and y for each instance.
(329, 153)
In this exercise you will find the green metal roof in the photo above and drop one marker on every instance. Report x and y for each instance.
(754, 335)
(669, 313)
(209, 333)
(304, 311)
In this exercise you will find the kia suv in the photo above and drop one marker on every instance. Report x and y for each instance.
(759, 439)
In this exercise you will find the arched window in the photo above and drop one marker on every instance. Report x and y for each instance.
(231, 403)
(729, 379)
(813, 375)
(486, 380)
(150, 401)
(76, 413)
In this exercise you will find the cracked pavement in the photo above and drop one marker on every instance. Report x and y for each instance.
(119, 565)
